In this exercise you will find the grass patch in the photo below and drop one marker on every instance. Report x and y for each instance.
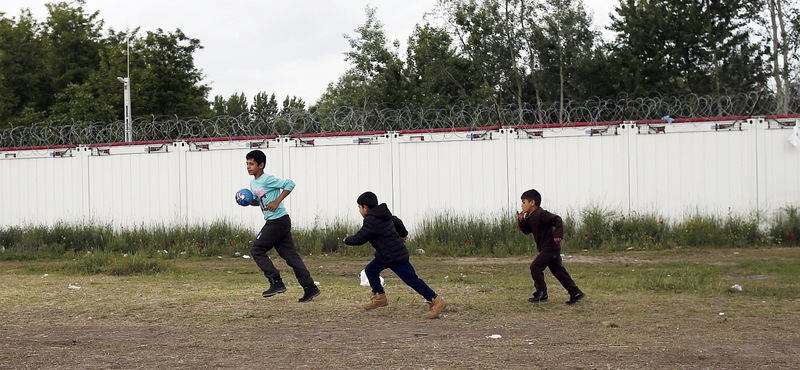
(116, 265)
(444, 235)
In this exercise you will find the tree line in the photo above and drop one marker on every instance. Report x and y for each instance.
(518, 53)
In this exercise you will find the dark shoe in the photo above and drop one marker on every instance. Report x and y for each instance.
(539, 296)
(310, 293)
(275, 287)
(575, 298)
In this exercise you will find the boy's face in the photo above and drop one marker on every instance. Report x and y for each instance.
(363, 210)
(528, 205)
(253, 168)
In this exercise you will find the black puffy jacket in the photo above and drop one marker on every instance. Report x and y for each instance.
(385, 232)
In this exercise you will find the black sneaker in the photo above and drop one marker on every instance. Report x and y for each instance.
(276, 286)
(575, 298)
(310, 293)
(539, 296)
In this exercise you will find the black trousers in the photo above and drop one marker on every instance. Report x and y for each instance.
(277, 234)
(551, 258)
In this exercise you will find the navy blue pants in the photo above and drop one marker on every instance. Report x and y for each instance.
(404, 271)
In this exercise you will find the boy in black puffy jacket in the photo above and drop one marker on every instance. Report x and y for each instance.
(387, 235)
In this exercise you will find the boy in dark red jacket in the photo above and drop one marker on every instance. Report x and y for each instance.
(548, 230)
(387, 234)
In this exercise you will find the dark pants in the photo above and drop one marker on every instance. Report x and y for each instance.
(278, 234)
(551, 258)
(404, 271)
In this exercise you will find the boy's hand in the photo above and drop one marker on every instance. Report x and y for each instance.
(557, 240)
(273, 205)
(521, 216)
(404, 239)
(345, 237)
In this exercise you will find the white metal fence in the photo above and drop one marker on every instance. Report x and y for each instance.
(673, 170)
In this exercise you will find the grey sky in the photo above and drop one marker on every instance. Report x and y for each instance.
(282, 47)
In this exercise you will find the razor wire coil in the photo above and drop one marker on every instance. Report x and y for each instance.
(301, 121)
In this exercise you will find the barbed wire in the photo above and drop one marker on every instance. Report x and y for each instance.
(300, 121)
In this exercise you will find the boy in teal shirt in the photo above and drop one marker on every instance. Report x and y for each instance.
(269, 193)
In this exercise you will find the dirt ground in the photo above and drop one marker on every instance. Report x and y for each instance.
(601, 332)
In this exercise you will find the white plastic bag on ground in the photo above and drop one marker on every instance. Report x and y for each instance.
(365, 281)
(795, 139)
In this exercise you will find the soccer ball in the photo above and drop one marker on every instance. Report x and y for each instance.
(244, 197)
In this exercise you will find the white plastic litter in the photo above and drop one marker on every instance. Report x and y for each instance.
(73, 287)
(722, 313)
(45, 275)
(420, 251)
(736, 287)
(237, 254)
(316, 283)
(795, 139)
(365, 281)
(246, 257)
(494, 336)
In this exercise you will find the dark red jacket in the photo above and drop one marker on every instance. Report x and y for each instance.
(545, 227)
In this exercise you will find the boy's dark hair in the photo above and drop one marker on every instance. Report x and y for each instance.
(368, 199)
(532, 195)
(257, 155)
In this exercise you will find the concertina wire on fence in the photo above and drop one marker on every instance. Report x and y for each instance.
(299, 121)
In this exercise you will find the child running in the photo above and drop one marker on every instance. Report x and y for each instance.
(387, 234)
(548, 230)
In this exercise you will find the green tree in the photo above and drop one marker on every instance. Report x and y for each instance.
(375, 79)
(783, 26)
(264, 105)
(219, 106)
(237, 105)
(24, 71)
(74, 38)
(687, 46)
(437, 75)
(565, 51)
(164, 78)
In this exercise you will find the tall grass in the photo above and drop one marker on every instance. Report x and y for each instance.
(445, 234)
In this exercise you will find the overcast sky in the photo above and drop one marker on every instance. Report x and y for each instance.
(283, 47)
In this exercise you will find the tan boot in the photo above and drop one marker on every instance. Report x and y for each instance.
(378, 300)
(436, 306)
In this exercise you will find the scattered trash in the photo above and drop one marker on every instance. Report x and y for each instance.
(668, 119)
(125, 255)
(420, 251)
(494, 336)
(73, 287)
(563, 255)
(45, 275)
(3, 249)
(722, 313)
(237, 254)
(246, 257)
(316, 283)
(736, 287)
(365, 281)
